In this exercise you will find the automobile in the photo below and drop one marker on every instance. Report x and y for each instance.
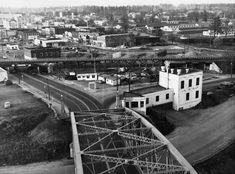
(225, 84)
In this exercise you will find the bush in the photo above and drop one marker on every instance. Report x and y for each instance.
(8, 83)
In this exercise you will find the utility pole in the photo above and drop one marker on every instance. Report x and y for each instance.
(48, 89)
(62, 104)
(92, 57)
(129, 82)
(117, 92)
(231, 68)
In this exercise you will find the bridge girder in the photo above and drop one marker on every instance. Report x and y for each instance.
(121, 139)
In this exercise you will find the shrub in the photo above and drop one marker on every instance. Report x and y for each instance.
(8, 83)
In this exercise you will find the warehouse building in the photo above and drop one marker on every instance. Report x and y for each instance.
(41, 52)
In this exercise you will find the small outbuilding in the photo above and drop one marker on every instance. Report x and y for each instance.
(3, 75)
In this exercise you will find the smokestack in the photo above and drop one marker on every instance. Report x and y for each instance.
(178, 71)
(163, 68)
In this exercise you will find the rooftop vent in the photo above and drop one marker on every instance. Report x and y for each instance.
(172, 71)
(186, 70)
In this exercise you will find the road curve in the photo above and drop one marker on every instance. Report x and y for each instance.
(75, 100)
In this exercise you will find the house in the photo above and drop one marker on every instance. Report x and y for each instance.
(3, 75)
(111, 80)
(41, 52)
(181, 87)
(87, 76)
(102, 77)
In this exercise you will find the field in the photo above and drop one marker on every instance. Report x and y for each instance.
(28, 130)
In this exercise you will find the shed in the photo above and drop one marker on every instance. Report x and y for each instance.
(3, 75)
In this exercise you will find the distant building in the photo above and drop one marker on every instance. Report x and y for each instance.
(62, 30)
(182, 87)
(41, 52)
(27, 34)
(113, 81)
(114, 40)
(12, 46)
(3, 75)
(50, 42)
(87, 76)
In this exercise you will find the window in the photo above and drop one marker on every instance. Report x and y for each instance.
(197, 81)
(141, 104)
(187, 96)
(182, 85)
(167, 96)
(147, 100)
(190, 83)
(88, 76)
(197, 94)
(83, 77)
(127, 104)
(78, 77)
(157, 98)
(93, 76)
(134, 104)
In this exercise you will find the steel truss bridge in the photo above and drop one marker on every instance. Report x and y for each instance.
(122, 141)
(107, 59)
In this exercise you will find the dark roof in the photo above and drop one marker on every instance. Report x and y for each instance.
(131, 94)
(140, 92)
(148, 90)
(42, 48)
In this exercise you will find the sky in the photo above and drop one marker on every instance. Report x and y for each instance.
(49, 3)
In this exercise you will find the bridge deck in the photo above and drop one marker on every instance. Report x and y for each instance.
(86, 59)
(122, 141)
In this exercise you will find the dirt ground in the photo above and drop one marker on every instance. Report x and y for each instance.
(28, 130)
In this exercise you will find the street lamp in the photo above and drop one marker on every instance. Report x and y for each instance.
(231, 68)
(48, 89)
(62, 104)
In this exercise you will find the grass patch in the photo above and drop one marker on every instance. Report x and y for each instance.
(28, 131)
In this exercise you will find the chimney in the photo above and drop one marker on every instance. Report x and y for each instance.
(187, 70)
(172, 71)
(163, 68)
(178, 71)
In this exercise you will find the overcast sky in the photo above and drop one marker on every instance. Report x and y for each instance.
(48, 3)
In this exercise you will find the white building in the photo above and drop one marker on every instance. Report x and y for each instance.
(3, 75)
(182, 87)
(186, 84)
(87, 76)
(111, 80)
(51, 42)
(12, 47)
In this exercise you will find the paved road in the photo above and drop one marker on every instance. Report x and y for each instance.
(204, 132)
(74, 99)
